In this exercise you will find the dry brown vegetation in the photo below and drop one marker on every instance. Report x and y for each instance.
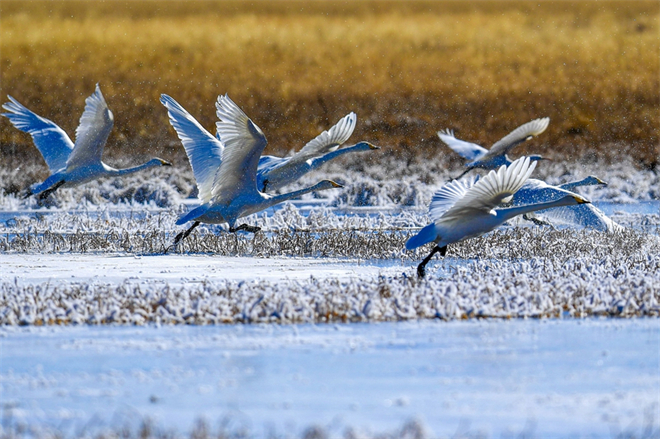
(406, 68)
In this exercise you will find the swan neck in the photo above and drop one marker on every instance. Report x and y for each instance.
(284, 197)
(511, 212)
(149, 164)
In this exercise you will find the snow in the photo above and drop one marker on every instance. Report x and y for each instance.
(552, 378)
(100, 330)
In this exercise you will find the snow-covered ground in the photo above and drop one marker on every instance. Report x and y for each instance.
(546, 379)
(90, 264)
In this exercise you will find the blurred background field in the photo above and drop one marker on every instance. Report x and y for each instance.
(407, 69)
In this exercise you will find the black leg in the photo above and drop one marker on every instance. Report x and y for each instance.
(183, 235)
(436, 249)
(43, 195)
(265, 184)
(538, 222)
(464, 172)
(251, 229)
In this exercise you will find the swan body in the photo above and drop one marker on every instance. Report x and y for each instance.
(205, 151)
(496, 156)
(229, 190)
(466, 209)
(71, 164)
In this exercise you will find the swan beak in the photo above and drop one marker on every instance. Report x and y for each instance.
(164, 163)
(337, 185)
(581, 200)
(371, 146)
(546, 159)
(604, 183)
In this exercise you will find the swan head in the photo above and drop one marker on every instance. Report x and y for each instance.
(536, 158)
(366, 146)
(593, 180)
(160, 162)
(579, 200)
(327, 184)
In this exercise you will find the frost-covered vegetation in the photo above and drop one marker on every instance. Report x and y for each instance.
(519, 272)
(514, 272)
(370, 179)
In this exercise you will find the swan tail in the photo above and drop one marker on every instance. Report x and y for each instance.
(193, 214)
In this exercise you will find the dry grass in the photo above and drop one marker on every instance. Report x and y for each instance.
(407, 69)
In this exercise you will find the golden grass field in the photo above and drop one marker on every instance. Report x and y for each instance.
(407, 69)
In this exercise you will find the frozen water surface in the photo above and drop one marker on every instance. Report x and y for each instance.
(548, 379)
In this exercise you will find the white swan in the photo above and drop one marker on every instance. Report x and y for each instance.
(229, 183)
(496, 156)
(583, 215)
(465, 209)
(272, 172)
(71, 164)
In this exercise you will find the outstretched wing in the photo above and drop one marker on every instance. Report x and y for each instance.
(536, 191)
(244, 142)
(328, 140)
(51, 140)
(92, 132)
(492, 190)
(467, 150)
(448, 195)
(583, 215)
(203, 149)
(517, 136)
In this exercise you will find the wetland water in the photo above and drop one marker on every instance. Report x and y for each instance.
(550, 378)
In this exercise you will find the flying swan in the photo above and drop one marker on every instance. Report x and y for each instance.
(466, 209)
(481, 157)
(71, 164)
(227, 176)
(272, 172)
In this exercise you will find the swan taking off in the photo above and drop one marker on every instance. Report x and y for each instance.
(205, 151)
(481, 157)
(466, 209)
(228, 181)
(71, 164)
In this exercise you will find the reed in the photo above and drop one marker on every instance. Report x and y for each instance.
(406, 68)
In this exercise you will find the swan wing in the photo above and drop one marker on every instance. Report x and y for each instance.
(467, 150)
(51, 140)
(536, 191)
(493, 189)
(583, 215)
(244, 142)
(448, 195)
(92, 132)
(329, 140)
(517, 136)
(204, 151)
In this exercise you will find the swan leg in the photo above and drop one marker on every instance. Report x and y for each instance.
(537, 221)
(251, 229)
(265, 185)
(436, 249)
(43, 195)
(183, 235)
(464, 172)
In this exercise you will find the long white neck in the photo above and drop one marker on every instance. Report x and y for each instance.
(510, 212)
(150, 164)
(275, 199)
(572, 185)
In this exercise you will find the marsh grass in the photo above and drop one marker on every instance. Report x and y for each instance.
(406, 68)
